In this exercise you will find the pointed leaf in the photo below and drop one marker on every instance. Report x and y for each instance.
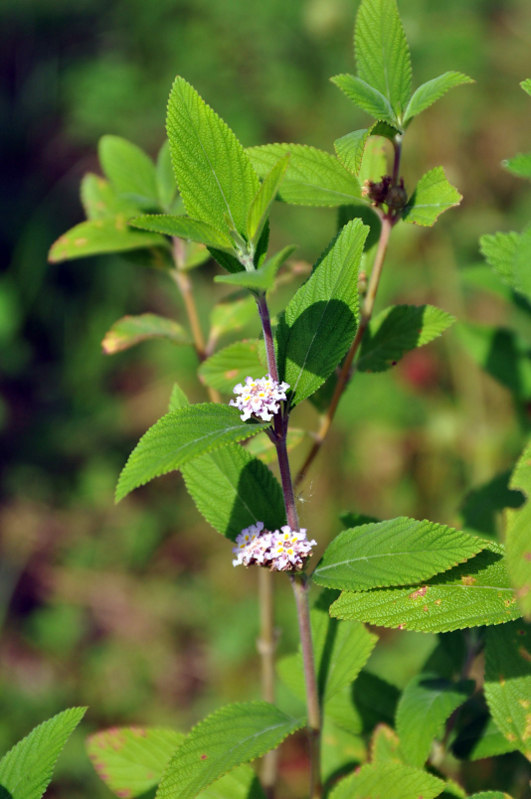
(471, 595)
(130, 170)
(365, 97)
(501, 353)
(399, 551)
(433, 90)
(178, 399)
(388, 779)
(518, 534)
(508, 682)
(261, 279)
(519, 165)
(425, 705)
(232, 365)
(233, 735)
(432, 196)
(130, 330)
(265, 196)
(350, 149)
(184, 228)
(98, 236)
(313, 177)
(398, 330)
(233, 490)
(320, 321)
(214, 174)
(132, 760)
(382, 52)
(100, 200)
(26, 770)
(180, 436)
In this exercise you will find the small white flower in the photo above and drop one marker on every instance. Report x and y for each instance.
(260, 397)
(281, 550)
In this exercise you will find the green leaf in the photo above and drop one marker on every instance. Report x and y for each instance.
(241, 783)
(185, 228)
(130, 170)
(130, 330)
(97, 236)
(508, 682)
(341, 751)
(374, 164)
(370, 701)
(489, 795)
(471, 595)
(481, 506)
(26, 770)
(262, 447)
(265, 196)
(178, 399)
(180, 436)
(382, 52)
(233, 490)
(526, 85)
(399, 551)
(509, 255)
(231, 314)
(313, 177)
(320, 321)
(388, 780)
(350, 148)
(480, 738)
(365, 97)
(432, 196)
(398, 330)
(261, 279)
(518, 534)
(213, 172)
(166, 185)
(433, 90)
(425, 705)
(232, 365)
(233, 735)
(519, 165)
(132, 760)
(99, 199)
(501, 353)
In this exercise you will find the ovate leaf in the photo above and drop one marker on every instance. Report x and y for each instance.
(365, 96)
(131, 760)
(185, 228)
(519, 165)
(508, 682)
(509, 255)
(432, 196)
(265, 196)
(313, 177)
(130, 170)
(471, 595)
(390, 780)
(178, 398)
(26, 770)
(397, 330)
(320, 321)
(97, 236)
(131, 330)
(232, 365)
(214, 174)
(261, 279)
(426, 703)
(99, 199)
(233, 735)
(180, 436)
(518, 534)
(399, 551)
(433, 90)
(232, 490)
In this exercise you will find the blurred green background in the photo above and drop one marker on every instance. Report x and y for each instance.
(134, 609)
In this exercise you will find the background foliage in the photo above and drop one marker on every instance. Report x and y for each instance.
(112, 606)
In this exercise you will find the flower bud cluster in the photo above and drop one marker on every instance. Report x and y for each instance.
(280, 550)
(260, 397)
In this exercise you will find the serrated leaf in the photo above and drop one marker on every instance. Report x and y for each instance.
(99, 199)
(26, 770)
(130, 170)
(233, 735)
(509, 255)
(185, 228)
(519, 165)
(232, 365)
(382, 53)
(508, 682)
(231, 314)
(97, 236)
(431, 91)
(131, 760)
(261, 279)
(178, 398)
(264, 198)
(130, 330)
(365, 96)
(313, 177)
(166, 185)
(398, 330)
(178, 438)
(374, 163)
(388, 779)
(232, 490)
(241, 783)
(432, 196)
(501, 353)
(399, 551)
(518, 534)
(350, 148)
(213, 172)
(426, 703)
(471, 595)
(320, 321)
(385, 745)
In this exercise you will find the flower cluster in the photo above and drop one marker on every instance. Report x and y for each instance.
(281, 550)
(260, 397)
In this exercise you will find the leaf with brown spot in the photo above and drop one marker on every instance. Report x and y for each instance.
(131, 330)
(98, 236)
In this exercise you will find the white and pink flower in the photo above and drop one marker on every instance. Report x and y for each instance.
(280, 550)
(260, 397)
